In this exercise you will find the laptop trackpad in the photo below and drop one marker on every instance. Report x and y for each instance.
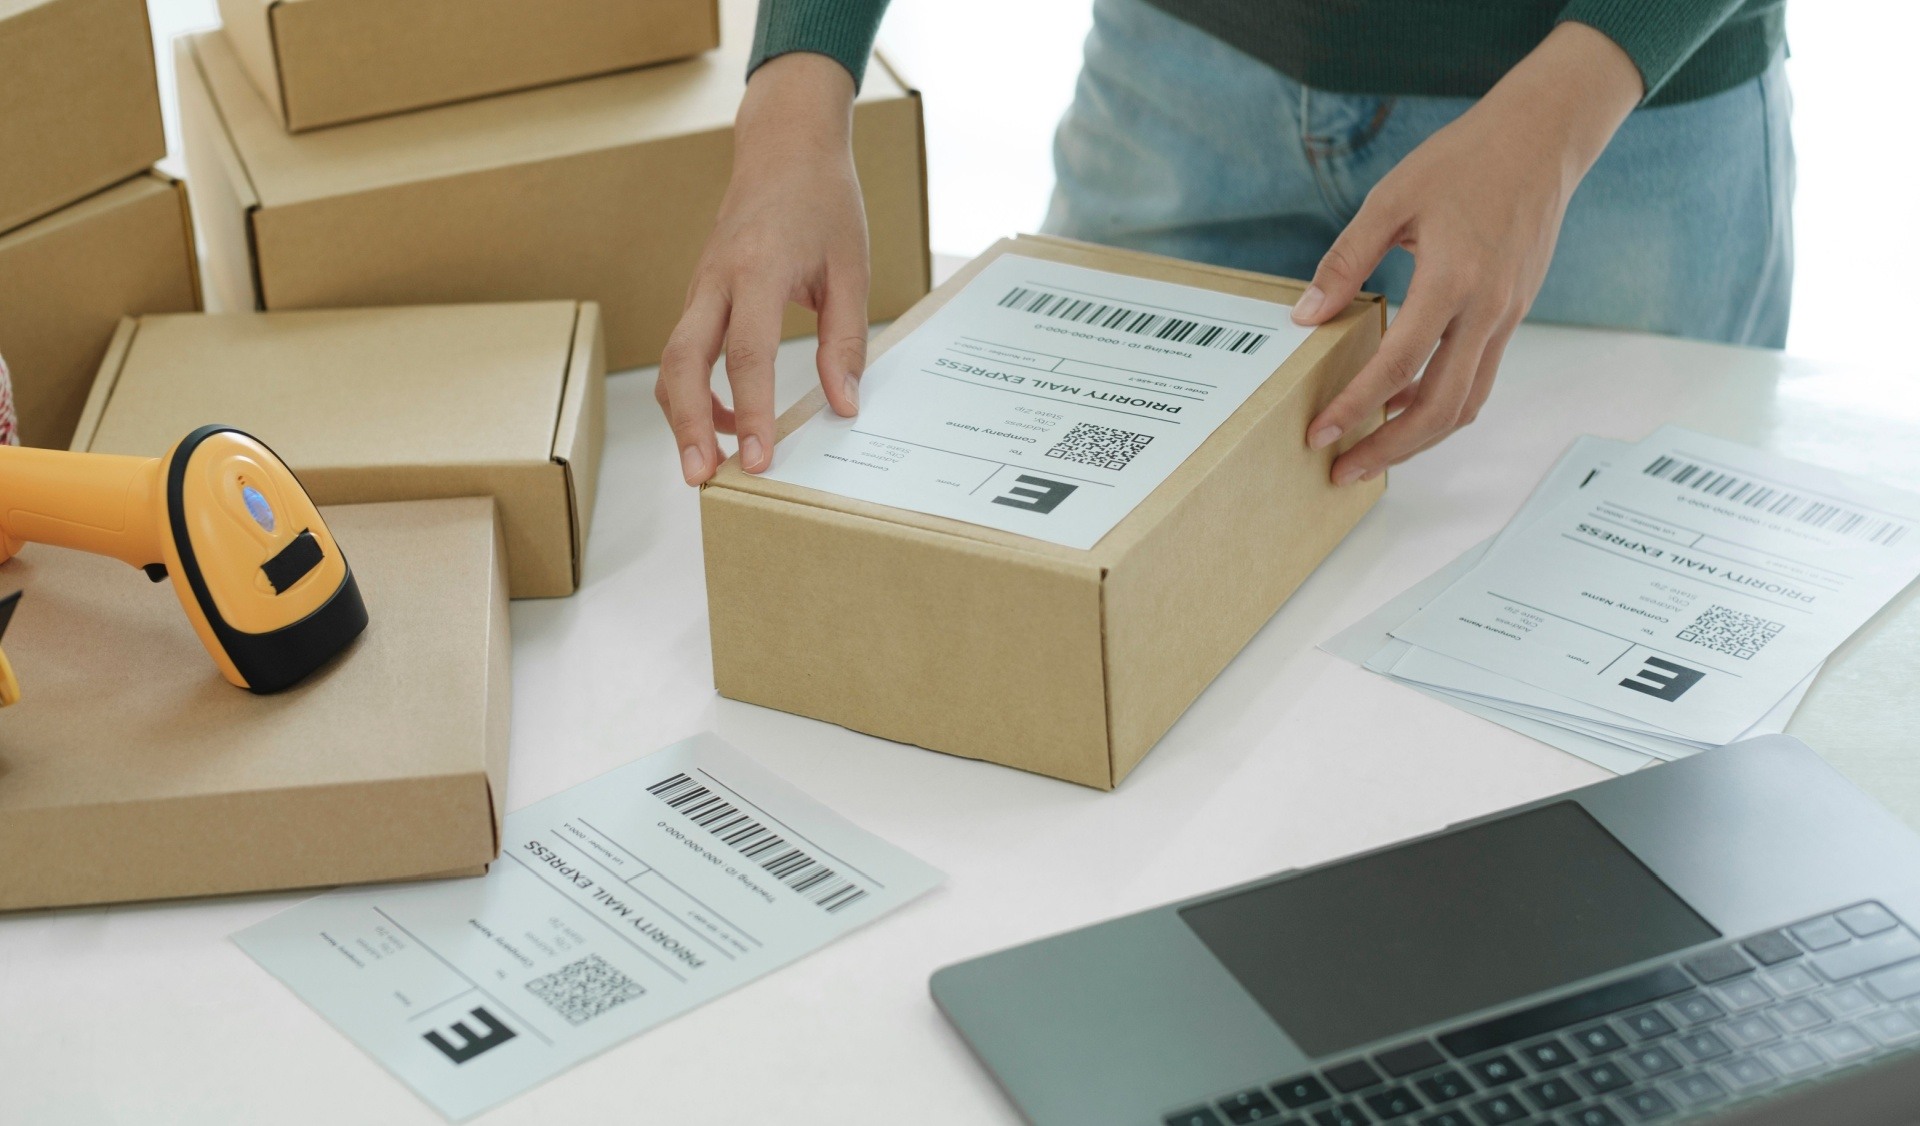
(1382, 944)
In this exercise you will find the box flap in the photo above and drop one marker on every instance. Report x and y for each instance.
(1162, 500)
(696, 95)
(581, 431)
(248, 25)
(123, 194)
(349, 388)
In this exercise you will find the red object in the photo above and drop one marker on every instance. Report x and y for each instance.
(8, 435)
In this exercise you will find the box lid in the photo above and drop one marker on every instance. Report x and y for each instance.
(677, 99)
(345, 388)
(1165, 499)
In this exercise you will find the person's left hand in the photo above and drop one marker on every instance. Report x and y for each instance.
(1479, 205)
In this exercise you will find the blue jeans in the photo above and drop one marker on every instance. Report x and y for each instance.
(1177, 143)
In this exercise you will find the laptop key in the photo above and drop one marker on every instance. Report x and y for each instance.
(1794, 1058)
(1648, 1105)
(1703, 1045)
(1604, 1077)
(1752, 1029)
(1742, 993)
(1354, 1075)
(1698, 1088)
(1445, 1086)
(1821, 934)
(1798, 1016)
(1718, 964)
(1550, 1093)
(1613, 997)
(1648, 1025)
(1249, 1106)
(1546, 1055)
(1867, 955)
(1495, 1070)
(1843, 1042)
(1697, 1008)
(1598, 1040)
(1653, 1060)
(1394, 1102)
(1500, 1109)
(1792, 978)
(1771, 949)
(1846, 1000)
(1747, 1072)
(1592, 1116)
(1891, 1026)
(1447, 1118)
(1303, 1091)
(1867, 919)
(1194, 1116)
(1896, 983)
(1408, 1058)
(1346, 1114)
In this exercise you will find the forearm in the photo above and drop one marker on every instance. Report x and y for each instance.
(1568, 97)
(842, 30)
(1657, 35)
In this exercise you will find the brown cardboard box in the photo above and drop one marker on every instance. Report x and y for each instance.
(322, 62)
(388, 764)
(366, 405)
(79, 105)
(602, 190)
(995, 646)
(65, 282)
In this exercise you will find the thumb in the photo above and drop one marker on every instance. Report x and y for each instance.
(1348, 263)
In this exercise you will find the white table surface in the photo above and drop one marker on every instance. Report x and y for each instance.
(144, 1014)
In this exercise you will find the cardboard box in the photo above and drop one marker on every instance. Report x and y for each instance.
(322, 62)
(79, 104)
(601, 190)
(388, 764)
(65, 282)
(995, 646)
(367, 405)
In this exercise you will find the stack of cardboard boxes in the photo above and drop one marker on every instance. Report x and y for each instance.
(89, 232)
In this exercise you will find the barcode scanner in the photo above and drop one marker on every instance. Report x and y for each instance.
(222, 518)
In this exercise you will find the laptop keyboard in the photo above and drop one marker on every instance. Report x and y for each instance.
(1740, 1020)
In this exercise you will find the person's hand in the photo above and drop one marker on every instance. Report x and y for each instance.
(791, 228)
(1479, 205)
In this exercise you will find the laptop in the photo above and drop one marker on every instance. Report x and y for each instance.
(1733, 938)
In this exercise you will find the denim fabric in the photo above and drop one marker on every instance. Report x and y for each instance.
(1177, 143)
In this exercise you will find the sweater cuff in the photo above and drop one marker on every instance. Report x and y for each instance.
(1658, 35)
(842, 30)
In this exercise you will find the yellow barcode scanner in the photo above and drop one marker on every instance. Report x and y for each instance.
(9, 684)
(260, 577)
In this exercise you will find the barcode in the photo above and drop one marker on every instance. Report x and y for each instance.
(791, 866)
(1138, 322)
(1778, 502)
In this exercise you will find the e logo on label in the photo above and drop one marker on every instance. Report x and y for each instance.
(1663, 679)
(1036, 494)
(471, 1044)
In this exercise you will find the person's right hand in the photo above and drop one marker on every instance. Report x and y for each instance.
(791, 228)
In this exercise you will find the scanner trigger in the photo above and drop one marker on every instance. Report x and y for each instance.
(157, 572)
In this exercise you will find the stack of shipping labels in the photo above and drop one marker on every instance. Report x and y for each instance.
(1649, 601)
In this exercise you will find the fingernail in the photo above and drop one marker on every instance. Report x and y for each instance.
(1348, 474)
(852, 389)
(693, 464)
(1322, 438)
(1308, 306)
(753, 452)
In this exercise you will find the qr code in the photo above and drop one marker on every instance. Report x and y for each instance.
(1731, 632)
(1103, 446)
(583, 990)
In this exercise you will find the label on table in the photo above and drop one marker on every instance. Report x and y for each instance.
(1044, 399)
(614, 906)
(1689, 590)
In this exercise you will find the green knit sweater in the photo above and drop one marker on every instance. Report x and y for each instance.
(1685, 49)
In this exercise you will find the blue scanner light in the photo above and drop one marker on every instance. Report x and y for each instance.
(257, 507)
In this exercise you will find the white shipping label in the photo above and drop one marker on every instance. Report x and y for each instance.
(1044, 399)
(615, 906)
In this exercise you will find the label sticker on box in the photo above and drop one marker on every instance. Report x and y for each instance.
(1044, 399)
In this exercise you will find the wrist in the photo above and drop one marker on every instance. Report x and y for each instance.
(1573, 92)
(800, 99)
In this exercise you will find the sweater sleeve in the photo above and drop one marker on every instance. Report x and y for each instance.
(1658, 35)
(842, 30)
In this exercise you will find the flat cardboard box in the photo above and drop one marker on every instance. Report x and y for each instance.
(367, 405)
(65, 282)
(601, 190)
(79, 103)
(323, 62)
(990, 645)
(130, 770)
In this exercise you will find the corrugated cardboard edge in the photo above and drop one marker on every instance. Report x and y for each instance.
(499, 722)
(920, 132)
(581, 432)
(104, 382)
(213, 158)
(248, 25)
(192, 248)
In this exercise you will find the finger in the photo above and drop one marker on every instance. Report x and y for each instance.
(753, 338)
(1435, 411)
(1350, 261)
(1489, 369)
(723, 419)
(684, 389)
(1403, 399)
(842, 355)
(1410, 339)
